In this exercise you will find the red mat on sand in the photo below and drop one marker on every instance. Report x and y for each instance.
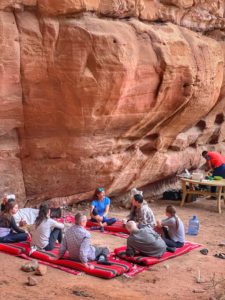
(116, 227)
(148, 261)
(117, 268)
(18, 249)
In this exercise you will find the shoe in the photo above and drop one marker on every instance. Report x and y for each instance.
(102, 229)
(211, 198)
(32, 249)
(171, 249)
(111, 221)
(95, 228)
(102, 258)
(220, 255)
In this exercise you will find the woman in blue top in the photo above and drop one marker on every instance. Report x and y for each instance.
(100, 208)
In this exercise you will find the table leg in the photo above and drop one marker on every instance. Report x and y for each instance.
(184, 193)
(189, 198)
(219, 199)
(223, 194)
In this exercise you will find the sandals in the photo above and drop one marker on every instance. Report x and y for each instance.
(220, 255)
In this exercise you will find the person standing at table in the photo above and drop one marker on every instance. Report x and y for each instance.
(215, 162)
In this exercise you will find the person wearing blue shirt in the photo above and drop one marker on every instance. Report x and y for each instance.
(100, 208)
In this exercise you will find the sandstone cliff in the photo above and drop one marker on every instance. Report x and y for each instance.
(118, 93)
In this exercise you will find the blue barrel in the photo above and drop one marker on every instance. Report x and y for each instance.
(193, 226)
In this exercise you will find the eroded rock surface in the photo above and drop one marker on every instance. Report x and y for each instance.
(112, 93)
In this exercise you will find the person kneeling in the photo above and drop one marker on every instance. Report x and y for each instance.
(45, 231)
(77, 241)
(172, 228)
(144, 241)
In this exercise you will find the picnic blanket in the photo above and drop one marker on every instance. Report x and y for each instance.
(117, 229)
(22, 249)
(148, 261)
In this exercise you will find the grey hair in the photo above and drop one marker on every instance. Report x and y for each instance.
(79, 218)
(131, 226)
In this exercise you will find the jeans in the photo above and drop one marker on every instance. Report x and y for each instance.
(169, 242)
(105, 219)
(14, 238)
(101, 251)
(55, 235)
(220, 171)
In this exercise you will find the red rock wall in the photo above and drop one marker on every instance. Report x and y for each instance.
(92, 98)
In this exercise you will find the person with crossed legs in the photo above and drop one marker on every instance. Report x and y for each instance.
(100, 209)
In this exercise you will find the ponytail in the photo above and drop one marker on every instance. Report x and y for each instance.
(42, 215)
(172, 211)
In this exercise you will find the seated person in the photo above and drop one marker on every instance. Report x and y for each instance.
(26, 216)
(77, 241)
(6, 199)
(173, 228)
(141, 213)
(9, 231)
(144, 241)
(56, 211)
(45, 231)
(100, 208)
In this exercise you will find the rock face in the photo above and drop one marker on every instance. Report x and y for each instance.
(107, 92)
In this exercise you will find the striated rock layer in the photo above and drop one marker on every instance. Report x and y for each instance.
(107, 92)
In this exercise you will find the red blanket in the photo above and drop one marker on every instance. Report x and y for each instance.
(117, 268)
(116, 227)
(148, 261)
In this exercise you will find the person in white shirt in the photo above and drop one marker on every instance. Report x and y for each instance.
(45, 231)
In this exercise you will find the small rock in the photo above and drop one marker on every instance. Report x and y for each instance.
(41, 270)
(189, 269)
(166, 267)
(221, 244)
(30, 266)
(32, 281)
(198, 291)
(82, 294)
(153, 269)
(201, 280)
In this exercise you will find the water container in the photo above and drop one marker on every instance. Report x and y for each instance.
(193, 226)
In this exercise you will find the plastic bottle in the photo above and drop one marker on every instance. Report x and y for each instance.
(193, 226)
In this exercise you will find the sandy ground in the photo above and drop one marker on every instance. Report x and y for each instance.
(173, 279)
